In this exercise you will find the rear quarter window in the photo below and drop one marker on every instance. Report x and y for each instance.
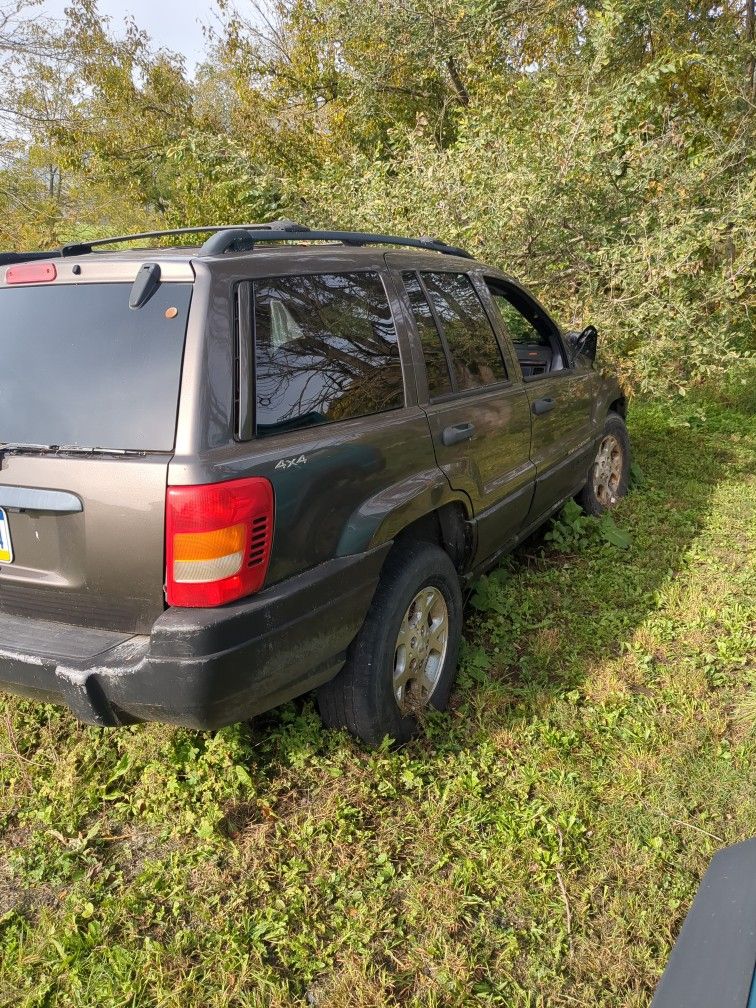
(325, 349)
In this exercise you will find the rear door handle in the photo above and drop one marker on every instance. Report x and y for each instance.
(543, 406)
(456, 433)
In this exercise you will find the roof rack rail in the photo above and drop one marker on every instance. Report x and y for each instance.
(8, 258)
(243, 238)
(84, 248)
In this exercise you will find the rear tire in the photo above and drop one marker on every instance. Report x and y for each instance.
(609, 473)
(404, 658)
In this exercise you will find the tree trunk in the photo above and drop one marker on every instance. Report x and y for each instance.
(459, 88)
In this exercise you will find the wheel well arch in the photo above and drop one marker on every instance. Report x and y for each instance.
(446, 526)
(619, 406)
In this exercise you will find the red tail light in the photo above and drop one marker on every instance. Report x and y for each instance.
(218, 540)
(31, 272)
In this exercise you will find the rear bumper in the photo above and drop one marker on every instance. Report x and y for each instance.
(202, 668)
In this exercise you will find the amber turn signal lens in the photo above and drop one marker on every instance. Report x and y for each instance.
(208, 545)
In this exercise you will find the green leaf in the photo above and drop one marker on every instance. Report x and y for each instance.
(612, 534)
(243, 774)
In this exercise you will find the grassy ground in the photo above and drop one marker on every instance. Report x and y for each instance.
(538, 846)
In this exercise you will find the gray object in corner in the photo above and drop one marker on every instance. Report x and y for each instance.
(712, 963)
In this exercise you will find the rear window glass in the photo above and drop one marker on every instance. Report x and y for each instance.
(79, 367)
(325, 349)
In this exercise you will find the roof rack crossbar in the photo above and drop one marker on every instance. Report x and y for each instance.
(243, 238)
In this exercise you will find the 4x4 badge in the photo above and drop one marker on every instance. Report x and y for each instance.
(291, 462)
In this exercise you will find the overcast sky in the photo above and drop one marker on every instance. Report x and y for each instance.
(172, 24)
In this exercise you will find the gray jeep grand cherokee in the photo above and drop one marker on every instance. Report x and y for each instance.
(234, 473)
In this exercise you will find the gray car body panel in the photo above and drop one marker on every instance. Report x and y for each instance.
(100, 566)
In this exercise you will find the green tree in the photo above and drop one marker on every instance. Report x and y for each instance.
(602, 151)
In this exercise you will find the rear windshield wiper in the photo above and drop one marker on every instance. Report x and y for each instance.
(40, 449)
(20, 446)
(80, 450)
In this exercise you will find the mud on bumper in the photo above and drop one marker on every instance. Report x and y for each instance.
(202, 668)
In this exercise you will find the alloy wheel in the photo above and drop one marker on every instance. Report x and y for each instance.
(607, 471)
(420, 649)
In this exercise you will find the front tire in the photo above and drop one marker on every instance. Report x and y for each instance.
(404, 659)
(609, 474)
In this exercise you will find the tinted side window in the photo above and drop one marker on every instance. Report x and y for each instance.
(325, 349)
(436, 364)
(519, 328)
(475, 354)
(534, 335)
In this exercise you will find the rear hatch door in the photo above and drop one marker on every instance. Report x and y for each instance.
(88, 402)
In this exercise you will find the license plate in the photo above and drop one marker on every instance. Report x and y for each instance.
(6, 550)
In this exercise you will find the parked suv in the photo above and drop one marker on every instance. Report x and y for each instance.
(234, 473)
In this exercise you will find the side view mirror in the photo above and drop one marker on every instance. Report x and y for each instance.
(583, 343)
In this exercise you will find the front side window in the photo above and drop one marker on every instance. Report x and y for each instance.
(325, 349)
(532, 333)
(475, 355)
(520, 329)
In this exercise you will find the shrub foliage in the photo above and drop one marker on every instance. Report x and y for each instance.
(602, 152)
